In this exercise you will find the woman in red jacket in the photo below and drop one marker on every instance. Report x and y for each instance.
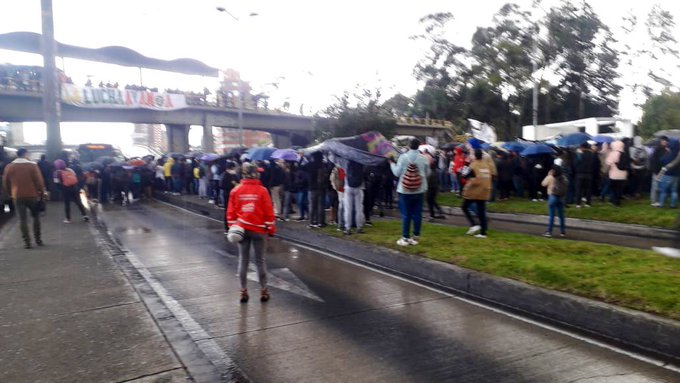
(250, 208)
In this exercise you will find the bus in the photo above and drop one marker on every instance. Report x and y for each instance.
(91, 152)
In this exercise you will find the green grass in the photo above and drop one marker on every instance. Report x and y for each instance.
(631, 211)
(638, 279)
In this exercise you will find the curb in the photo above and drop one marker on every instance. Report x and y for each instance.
(581, 224)
(632, 329)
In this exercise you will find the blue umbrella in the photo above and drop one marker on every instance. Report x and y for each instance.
(285, 154)
(259, 154)
(603, 139)
(209, 157)
(537, 150)
(573, 139)
(514, 146)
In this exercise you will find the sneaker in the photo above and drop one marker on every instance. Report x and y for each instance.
(347, 232)
(27, 245)
(563, 235)
(534, 200)
(368, 223)
(264, 295)
(547, 235)
(86, 218)
(301, 219)
(413, 241)
(404, 242)
(211, 201)
(586, 205)
(473, 229)
(480, 236)
(66, 221)
(359, 231)
(578, 206)
(656, 204)
(667, 251)
(39, 242)
(244, 296)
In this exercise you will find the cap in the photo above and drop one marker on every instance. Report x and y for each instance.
(235, 234)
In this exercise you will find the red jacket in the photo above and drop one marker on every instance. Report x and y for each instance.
(251, 207)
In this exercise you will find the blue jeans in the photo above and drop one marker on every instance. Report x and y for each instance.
(668, 184)
(302, 203)
(555, 204)
(411, 206)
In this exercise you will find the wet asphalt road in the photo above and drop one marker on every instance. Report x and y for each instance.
(331, 321)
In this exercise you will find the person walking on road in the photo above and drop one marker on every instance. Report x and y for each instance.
(24, 183)
(412, 168)
(70, 190)
(250, 215)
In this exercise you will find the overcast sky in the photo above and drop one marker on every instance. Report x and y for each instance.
(313, 49)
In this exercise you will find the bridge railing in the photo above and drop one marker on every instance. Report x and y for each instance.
(14, 84)
(34, 87)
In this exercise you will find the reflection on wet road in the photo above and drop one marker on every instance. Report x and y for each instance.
(331, 321)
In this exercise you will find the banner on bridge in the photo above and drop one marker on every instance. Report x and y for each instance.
(91, 97)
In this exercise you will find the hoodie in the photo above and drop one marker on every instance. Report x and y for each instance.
(612, 158)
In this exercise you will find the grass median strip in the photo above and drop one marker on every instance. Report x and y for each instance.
(632, 278)
(632, 211)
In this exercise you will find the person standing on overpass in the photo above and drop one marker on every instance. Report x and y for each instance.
(23, 181)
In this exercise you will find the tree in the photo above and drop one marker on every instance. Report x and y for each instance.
(650, 55)
(660, 113)
(399, 105)
(354, 114)
(579, 43)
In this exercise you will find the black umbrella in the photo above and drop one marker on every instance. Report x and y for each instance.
(449, 146)
(236, 152)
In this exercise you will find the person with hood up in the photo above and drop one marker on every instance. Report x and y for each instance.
(638, 167)
(619, 163)
(250, 208)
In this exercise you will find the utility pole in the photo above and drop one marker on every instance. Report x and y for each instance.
(534, 68)
(50, 86)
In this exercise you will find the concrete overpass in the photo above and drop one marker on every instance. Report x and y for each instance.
(286, 129)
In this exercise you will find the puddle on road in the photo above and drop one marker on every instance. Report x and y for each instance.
(132, 230)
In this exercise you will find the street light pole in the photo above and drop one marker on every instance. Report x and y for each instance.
(51, 97)
(240, 118)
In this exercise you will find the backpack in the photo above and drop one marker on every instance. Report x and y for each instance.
(624, 161)
(411, 180)
(68, 177)
(560, 186)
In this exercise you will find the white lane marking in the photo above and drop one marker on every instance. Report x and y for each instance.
(214, 353)
(283, 279)
(293, 284)
(594, 342)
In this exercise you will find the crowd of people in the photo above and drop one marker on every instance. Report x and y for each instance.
(304, 189)
(254, 194)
